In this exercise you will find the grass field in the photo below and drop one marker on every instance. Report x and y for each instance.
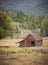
(24, 55)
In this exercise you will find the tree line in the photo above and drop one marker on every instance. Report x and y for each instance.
(7, 27)
(32, 22)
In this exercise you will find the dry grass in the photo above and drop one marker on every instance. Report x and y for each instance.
(2, 41)
(9, 42)
(45, 41)
(24, 55)
(12, 41)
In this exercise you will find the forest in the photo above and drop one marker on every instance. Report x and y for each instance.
(8, 21)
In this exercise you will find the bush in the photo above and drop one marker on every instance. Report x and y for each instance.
(6, 25)
(44, 27)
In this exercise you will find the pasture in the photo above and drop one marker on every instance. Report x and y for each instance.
(24, 55)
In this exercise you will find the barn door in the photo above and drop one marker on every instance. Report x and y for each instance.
(32, 43)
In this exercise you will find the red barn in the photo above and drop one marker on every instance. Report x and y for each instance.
(31, 40)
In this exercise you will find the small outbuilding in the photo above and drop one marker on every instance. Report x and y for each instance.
(31, 40)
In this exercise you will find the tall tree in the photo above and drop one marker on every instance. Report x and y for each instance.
(45, 27)
(6, 25)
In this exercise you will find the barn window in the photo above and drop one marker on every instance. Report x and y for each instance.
(32, 43)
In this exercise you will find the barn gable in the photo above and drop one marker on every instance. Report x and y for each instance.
(36, 36)
(31, 40)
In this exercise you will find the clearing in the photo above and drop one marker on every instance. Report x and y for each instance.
(24, 55)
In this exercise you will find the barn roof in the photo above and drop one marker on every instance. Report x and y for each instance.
(35, 36)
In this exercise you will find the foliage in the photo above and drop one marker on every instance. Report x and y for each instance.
(17, 30)
(13, 16)
(20, 17)
(45, 27)
(26, 21)
(6, 25)
(32, 21)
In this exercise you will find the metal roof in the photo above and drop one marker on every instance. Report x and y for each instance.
(36, 36)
